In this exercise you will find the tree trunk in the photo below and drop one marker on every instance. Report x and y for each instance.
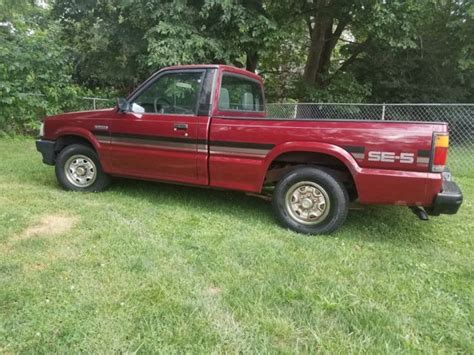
(252, 60)
(322, 75)
(323, 22)
(323, 40)
(251, 53)
(326, 52)
(318, 39)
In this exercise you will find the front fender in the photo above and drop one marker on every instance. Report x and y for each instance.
(80, 132)
(313, 147)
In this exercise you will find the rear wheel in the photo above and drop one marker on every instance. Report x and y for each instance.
(310, 201)
(78, 169)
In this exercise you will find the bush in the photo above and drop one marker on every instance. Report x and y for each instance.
(35, 78)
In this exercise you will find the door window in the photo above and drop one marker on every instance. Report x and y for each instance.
(240, 94)
(172, 93)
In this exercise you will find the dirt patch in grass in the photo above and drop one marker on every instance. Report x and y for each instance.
(49, 225)
(34, 267)
(213, 291)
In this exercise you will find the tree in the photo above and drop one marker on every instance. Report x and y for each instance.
(35, 70)
(307, 50)
(311, 49)
(324, 42)
(354, 24)
(12, 10)
(438, 67)
(121, 42)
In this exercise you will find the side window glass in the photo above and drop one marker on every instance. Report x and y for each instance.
(172, 93)
(240, 94)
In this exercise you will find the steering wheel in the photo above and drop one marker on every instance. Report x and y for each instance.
(163, 100)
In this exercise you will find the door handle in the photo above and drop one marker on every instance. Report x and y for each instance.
(180, 127)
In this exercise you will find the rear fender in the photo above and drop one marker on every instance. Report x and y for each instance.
(313, 147)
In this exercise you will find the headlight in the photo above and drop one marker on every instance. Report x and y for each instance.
(41, 134)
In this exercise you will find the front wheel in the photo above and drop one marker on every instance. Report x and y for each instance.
(78, 169)
(310, 201)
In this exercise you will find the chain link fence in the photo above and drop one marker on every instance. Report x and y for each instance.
(81, 103)
(95, 103)
(460, 118)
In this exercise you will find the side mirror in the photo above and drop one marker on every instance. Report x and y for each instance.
(123, 105)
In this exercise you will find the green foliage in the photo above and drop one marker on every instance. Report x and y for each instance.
(120, 43)
(369, 54)
(35, 76)
(434, 64)
(326, 61)
(35, 81)
(343, 88)
(107, 41)
(378, 51)
(12, 10)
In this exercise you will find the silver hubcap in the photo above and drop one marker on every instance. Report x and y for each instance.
(307, 202)
(80, 171)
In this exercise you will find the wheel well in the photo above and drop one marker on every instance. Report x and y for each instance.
(64, 141)
(286, 162)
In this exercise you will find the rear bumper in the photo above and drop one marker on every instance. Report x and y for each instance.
(46, 148)
(448, 200)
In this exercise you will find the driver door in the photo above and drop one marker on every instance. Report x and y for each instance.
(158, 138)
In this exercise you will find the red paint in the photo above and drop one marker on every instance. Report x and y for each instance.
(202, 163)
(149, 162)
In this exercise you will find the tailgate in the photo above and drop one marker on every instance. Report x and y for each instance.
(398, 145)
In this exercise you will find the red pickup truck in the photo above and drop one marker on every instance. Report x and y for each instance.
(206, 125)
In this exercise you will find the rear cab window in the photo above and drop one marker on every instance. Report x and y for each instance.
(240, 94)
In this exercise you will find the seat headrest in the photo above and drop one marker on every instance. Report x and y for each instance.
(247, 101)
(224, 99)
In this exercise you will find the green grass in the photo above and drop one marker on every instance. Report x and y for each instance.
(461, 159)
(152, 267)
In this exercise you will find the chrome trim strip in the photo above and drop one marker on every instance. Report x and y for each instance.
(358, 155)
(422, 160)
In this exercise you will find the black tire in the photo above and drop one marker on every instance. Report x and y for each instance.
(335, 212)
(102, 180)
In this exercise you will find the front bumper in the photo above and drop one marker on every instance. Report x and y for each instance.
(448, 200)
(46, 148)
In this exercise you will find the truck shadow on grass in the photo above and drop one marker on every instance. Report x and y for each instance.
(394, 224)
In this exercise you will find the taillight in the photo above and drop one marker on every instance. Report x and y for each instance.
(440, 152)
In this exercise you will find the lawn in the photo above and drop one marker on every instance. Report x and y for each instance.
(148, 267)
